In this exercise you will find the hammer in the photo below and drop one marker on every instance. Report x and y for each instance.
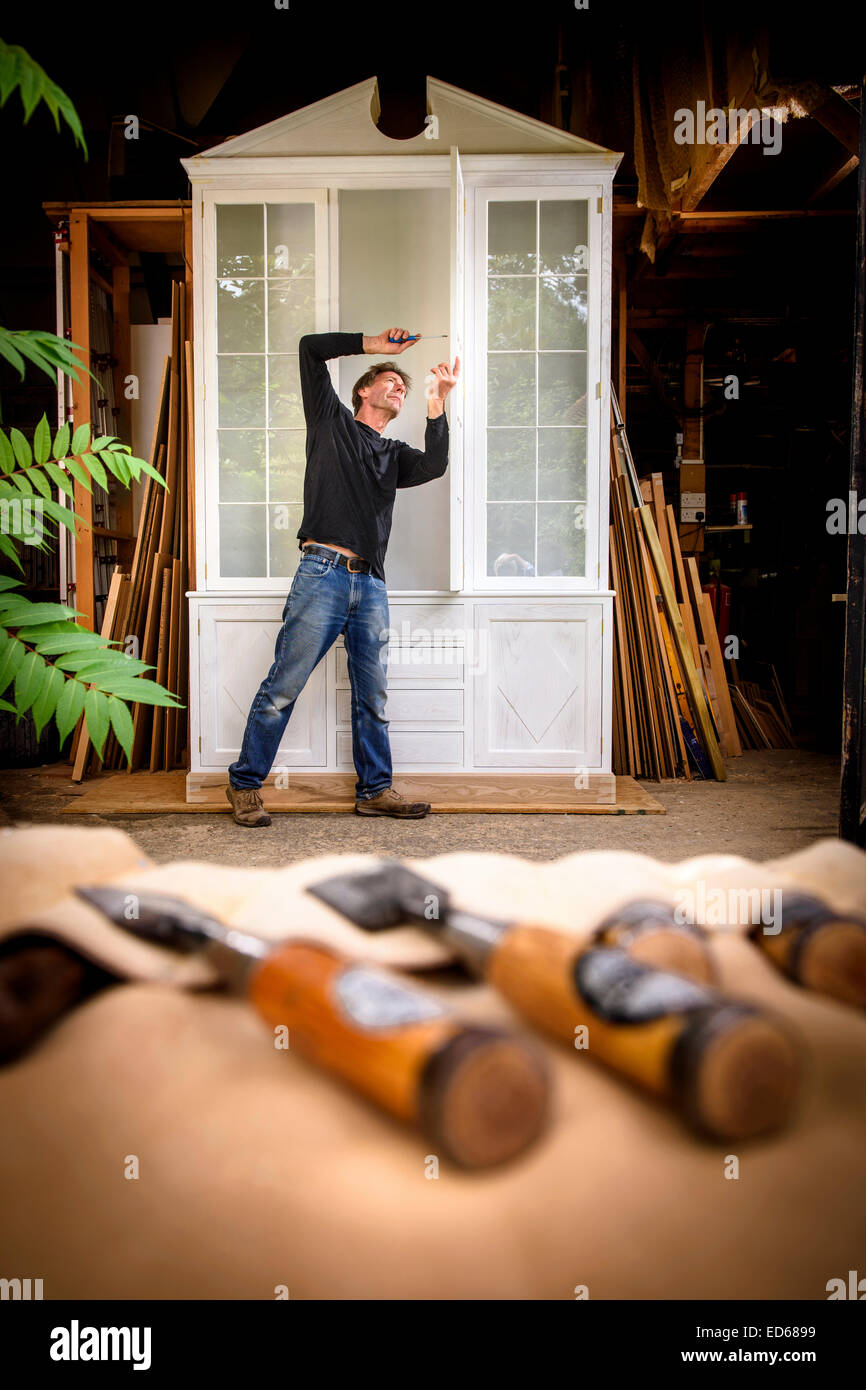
(726, 1065)
(479, 1093)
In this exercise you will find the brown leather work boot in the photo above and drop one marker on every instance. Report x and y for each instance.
(391, 803)
(247, 808)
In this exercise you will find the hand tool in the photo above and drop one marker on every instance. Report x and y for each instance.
(729, 1067)
(429, 337)
(480, 1094)
(647, 930)
(820, 948)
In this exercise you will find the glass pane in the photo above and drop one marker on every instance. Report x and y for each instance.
(242, 465)
(291, 313)
(288, 461)
(562, 388)
(562, 538)
(562, 312)
(511, 238)
(511, 465)
(241, 391)
(240, 316)
(511, 389)
(284, 523)
(240, 239)
(284, 392)
(511, 539)
(561, 464)
(291, 238)
(242, 542)
(511, 312)
(563, 235)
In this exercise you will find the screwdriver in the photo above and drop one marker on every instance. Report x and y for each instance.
(415, 336)
(479, 1093)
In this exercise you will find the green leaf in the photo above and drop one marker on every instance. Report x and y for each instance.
(21, 448)
(4, 704)
(79, 473)
(23, 484)
(60, 478)
(7, 583)
(42, 441)
(7, 457)
(15, 611)
(97, 470)
(40, 482)
(11, 353)
(144, 692)
(75, 640)
(7, 547)
(121, 723)
(116, 465)
(102, 442)
(98, 656)
(95, 673)
(46, 701)
(81, 439)
(65, 516)
(96, 714)
(12, 656)
(151, 472)
(28, 681)
(69, 707)
(61, 442)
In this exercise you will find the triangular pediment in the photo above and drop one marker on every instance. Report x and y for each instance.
(345, 124)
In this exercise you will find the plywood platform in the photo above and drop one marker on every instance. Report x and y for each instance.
(148, 793)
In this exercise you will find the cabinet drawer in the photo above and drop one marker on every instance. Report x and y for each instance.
(418, 662)
(434, 622)
(434, 748)
(408, 706)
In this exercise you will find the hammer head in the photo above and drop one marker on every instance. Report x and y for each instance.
(386, 896)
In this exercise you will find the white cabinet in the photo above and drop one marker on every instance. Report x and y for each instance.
(232, 653)
(491, 229)
(537, 697)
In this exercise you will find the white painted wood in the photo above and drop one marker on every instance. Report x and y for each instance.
(422, 707)
(206, 374)
(344, 123)
(438, 749)
(597, 438)
(538, 697)
(456, 403)
(235, 653)
(418, 662)
(436, 623)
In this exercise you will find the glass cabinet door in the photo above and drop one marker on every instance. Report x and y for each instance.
(265, 288)
(537, 330)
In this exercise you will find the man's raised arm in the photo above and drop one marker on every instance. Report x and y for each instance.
(314, 351)
(417, 466)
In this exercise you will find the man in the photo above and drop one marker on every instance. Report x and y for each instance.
(350, 483)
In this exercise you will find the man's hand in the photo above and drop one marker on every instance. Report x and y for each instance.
(380, 345)
(440, 381)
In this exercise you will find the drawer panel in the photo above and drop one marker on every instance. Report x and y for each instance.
(411, 706)
(414, 662)
(435, 747)
(432, 622)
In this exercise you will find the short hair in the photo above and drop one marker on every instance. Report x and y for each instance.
(370, 376)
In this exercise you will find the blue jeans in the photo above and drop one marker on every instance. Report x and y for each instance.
(325, 599)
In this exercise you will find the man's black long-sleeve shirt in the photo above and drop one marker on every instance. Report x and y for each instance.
(353, 472)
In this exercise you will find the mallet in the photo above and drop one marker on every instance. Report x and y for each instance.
(479, 1093)
(728, 1066)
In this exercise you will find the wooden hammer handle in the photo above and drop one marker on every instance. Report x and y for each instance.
(479, 1093)
(727, 1066)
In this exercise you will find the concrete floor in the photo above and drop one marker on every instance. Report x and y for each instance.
(772, 804)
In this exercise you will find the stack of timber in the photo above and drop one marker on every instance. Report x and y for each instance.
(147, 610)
(672, 710)
(762, 715)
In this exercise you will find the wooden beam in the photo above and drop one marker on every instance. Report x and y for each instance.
(79, 323)
(656, 379)
(841, 118)
(835, 179)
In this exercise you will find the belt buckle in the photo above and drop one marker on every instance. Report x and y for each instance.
(349, 559)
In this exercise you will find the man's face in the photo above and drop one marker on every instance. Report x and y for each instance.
(388, 392)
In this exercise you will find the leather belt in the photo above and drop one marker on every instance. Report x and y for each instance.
(353, 563)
